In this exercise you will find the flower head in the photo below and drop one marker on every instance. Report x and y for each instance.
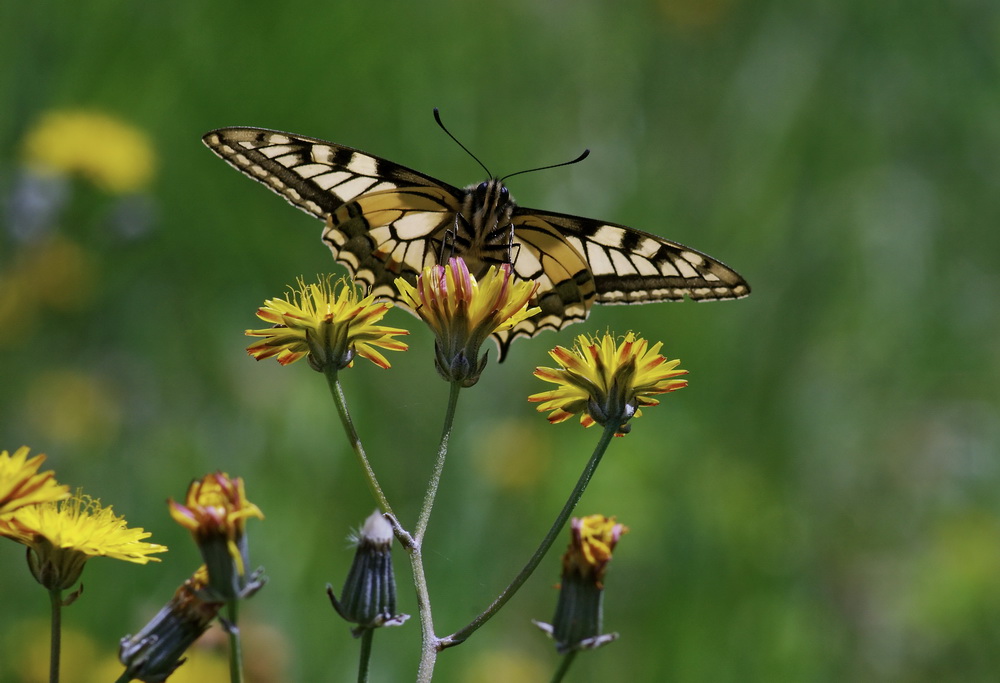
(606, 382)
(594, 539)
(21, 483)
(369, 595)
(328, 327)
(464, 312)
(63, 535)
(155, 652)
(579, 613)
(111, 153)
(215, 511)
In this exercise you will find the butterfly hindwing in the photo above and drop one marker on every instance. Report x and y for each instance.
(390, 233)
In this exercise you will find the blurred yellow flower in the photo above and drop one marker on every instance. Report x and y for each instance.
(463, 312)
(62, 536)
(606, 381)
(72, 407)
(594, 539)
(114, 155)
(215, 504)
(22, 484)
(26, 652)
(327, 327)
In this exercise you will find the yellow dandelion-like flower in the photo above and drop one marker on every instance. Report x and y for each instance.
(606, 381)
(22, 484)
(64, 535)
(327, 327)
(463, 312)
(114, 155)
(215, 511)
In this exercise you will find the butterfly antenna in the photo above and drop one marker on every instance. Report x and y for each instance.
(580, 158)
(437, 117)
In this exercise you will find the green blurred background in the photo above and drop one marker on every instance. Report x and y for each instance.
(819, 505)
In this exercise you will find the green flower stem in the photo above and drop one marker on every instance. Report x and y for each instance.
(352, 435)
(55, 645)
(430, 643)
(458, 637)
(432, 485)
(235, 646)
(567, 660)
(366, 654)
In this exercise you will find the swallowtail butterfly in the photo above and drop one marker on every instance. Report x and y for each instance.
(384, 220)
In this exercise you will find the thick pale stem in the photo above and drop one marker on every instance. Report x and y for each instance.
(581, 485)
(430, 647)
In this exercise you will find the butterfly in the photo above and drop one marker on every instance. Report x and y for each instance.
(384, 221)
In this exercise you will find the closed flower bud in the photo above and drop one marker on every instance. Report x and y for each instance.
(369, 595)
(155, 652)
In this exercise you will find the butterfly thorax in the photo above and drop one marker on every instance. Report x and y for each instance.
(483, 231)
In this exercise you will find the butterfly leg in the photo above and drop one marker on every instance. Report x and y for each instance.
(448, 242)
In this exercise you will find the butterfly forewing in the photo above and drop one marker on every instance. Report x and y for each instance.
(384, 221)
(629, 266)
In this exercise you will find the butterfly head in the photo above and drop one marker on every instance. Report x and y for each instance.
(488, 207)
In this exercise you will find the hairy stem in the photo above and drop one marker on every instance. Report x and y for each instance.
(352, 435)
(430, 646)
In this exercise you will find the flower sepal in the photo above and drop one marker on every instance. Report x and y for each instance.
(591, 643)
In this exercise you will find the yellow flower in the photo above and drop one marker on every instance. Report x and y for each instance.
(21, 484)
(605, 381)
(326, 327)
(594, 539)
(111, 153)
(63, 535)
(215, 511)
(463, 312)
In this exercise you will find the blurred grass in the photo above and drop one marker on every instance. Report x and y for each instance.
(819, 505)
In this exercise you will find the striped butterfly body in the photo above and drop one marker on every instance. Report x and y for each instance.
(384, 221)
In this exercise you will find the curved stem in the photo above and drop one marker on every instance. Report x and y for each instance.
(430, 644)
(337, 392)
(55, 644)
(567, 660)
(581, 485)
(235, 646)
(366, 654)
